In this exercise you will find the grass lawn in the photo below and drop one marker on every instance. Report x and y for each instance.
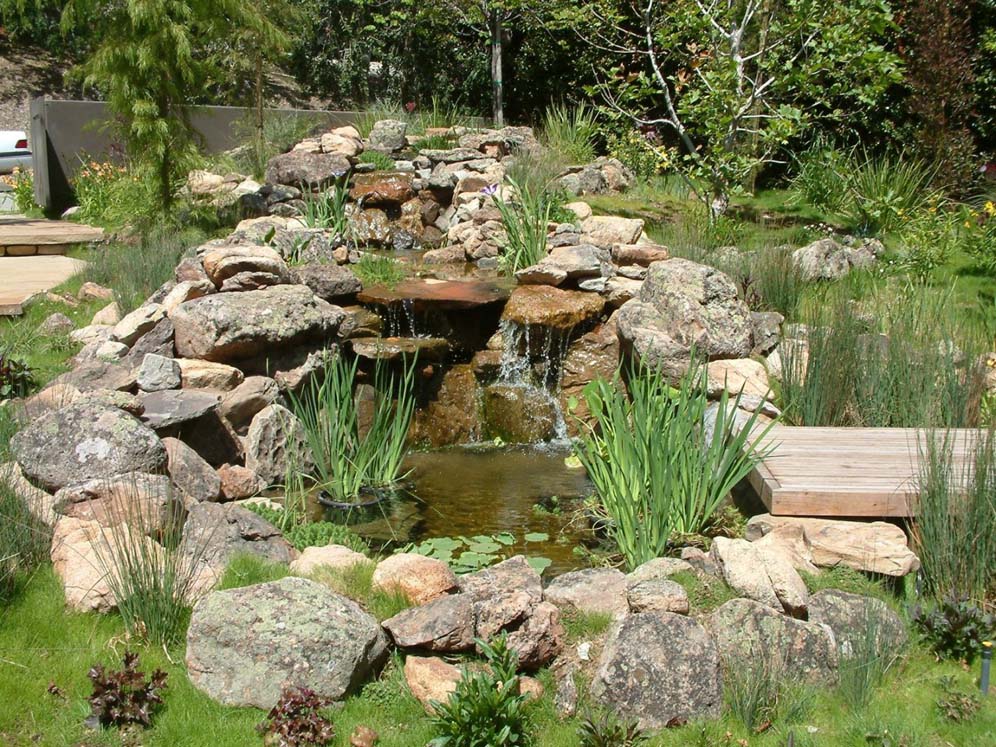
(42, 645)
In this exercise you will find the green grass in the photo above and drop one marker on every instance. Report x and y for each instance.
(583, 626)
(705, 593)
(356, 582)
(849, 580)
(374, 269)
(248, 570)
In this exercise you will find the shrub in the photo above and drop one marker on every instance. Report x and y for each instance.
(123, 697)
(954, 629)
(657, 469)
(23, 184)
(346, 460)
(525, 222)
(980, 236)
(882, 193)
(486, 708)
(641, 155)
(955, 529)
(818, 180)
(928, 241)
(296, 720)
(571, 131)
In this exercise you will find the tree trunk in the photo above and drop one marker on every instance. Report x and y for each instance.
(165, 161)
(497, 86)
(260, 140)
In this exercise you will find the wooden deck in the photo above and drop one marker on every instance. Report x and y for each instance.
(861, 472)
(23, 277)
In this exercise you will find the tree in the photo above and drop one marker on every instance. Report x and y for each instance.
(145, 62)
(732, 81)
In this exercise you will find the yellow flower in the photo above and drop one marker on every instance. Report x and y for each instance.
(968, 224)
(990, 207)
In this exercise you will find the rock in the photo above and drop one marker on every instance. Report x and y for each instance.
(639, 254)
(90, 291)
(762, 574)
(430, 680)
(451, 416)
(444, 625)
(658, 569)
(158, 340)
(222, 263)
(594, 355)
(603, 176)
(683, 304)
(238, 482)
(858, 622)
(592, 590)
(40, 504)
(790, 542)
(767, 331)
(342, 145)
(137, 323)
(109, 315)
(276, 443)
(544, 306)
(428, 349)
(875, 547)
(567, 263)
(227, 326)
(143, 501)
(306, 170)
(329, 282)
(363, 736)
(748, 631)
(742, 376)
(326, 556)
(661, 669)
(158, 373)
(83, 442)
(173, 407)
(82, 553)
(382, 189)
(608, 230)
(507, 596)
(240, 405)
(824, 259)
(519, 414)
(245, 646)
(388, 136)
(580, 209)
(216, 532)
(657, 595)
(191, 475)
(195, 374)
(700, 561)
(433, 294)
(55, 325)
(417, 577)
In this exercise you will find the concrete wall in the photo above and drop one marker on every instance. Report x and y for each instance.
(63, 131)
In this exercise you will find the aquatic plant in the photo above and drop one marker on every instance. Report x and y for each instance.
(469, 554)
(525, 221)
(327, 210)
(657, 468)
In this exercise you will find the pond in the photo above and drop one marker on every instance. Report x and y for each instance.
(484, 490)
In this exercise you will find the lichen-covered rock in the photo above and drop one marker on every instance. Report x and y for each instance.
(419, 578)
(659, 668)
(214, 533)
(275, 443)
(146, 502)
(299, 168)
(192, 476)
(157, 373)
(748, 631)
(657, 595)
(245, 646)
(445, 624)
(590, 590)
(85, 441)
(240, 405)
(857, 622)
(230, 326)
(388, 135)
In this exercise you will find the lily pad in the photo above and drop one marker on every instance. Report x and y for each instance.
(539, 564)
(537, 537)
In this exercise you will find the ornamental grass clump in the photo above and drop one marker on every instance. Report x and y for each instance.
(525, 221)
(327, 210)
(659, 467)
(349, 459)
(571, 131)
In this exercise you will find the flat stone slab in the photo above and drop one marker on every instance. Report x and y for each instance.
(398, 348)
(434, 293)
(174, 406)
(23, 277)
(47, 232)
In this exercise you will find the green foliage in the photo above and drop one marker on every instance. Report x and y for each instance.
(882, 193)
(22, 184)
(16, 378)
(281, 132)
(122, 697)
(979, 236)
(470, 554)
(24, 540)
(657, 470)
(606, 729)
(760, 693)
(955, 530)
(348, 460)
(525, 223)
(842, 578)
(309, 533)
(956, 704)
(356, 582)
(246, 569)
(375, 269)
(581, 626)
(381, 161)
(646, 159)
(863, 668)
(819, 176)
(913, 373)
(327, 210)
(928, 242)
(954, 629)
(571, 131)
(486, 709)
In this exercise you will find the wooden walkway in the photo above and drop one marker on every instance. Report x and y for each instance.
(860, 472)
(23, 277)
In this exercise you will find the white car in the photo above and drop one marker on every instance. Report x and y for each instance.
(14, 150)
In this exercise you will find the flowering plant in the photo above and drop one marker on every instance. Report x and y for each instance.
(980, 235)
(94, 186)
(23, 184)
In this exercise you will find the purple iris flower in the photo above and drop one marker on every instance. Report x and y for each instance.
(490, 191)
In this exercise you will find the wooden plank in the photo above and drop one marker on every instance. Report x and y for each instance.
(864, 472)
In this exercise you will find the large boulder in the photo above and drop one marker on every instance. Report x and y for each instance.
(764, 574)
(276, 443)
(382, 189)
(388, 135)
(661, 669)
(608, 230)
(215, 533)
(872, 546)
(591, 590)
(545, 306)
(228, 326)
(858, 622)
(683, 305)
(83, 442)
(445, 624)
(40, 505)
(83, 552)
(146, 502)
(306, 170)
(231, 266)
(246, 646)
(748, 631)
